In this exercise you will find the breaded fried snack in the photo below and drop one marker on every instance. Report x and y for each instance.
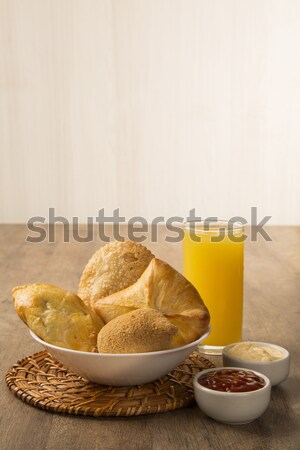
(162, 288)
(140, 331)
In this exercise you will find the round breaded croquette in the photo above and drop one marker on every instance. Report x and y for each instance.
(112, 268)
(139, 331)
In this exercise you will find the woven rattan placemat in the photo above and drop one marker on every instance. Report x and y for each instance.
(41, 381)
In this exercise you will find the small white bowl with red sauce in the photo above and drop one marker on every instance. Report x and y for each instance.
(232, 395)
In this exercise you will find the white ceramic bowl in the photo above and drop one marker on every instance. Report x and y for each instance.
(121, 369)
(276, 371)
(234, 408)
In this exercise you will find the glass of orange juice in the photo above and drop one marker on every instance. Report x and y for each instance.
(213, 260)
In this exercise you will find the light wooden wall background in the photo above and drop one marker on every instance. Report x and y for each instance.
(153, 106)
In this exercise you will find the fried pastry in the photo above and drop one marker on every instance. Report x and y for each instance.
(112, 268)
(162, 288)
(57, 316)
(139, 331)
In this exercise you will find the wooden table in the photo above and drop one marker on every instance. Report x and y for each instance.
(271, 312)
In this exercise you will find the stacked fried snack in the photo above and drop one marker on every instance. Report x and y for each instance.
(128, 302)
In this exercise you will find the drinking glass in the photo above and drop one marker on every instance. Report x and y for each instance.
(213, 260)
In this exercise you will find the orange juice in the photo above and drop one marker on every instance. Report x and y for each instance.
(216, 270)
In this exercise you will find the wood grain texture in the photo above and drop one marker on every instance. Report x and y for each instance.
(153, 106)
(271, 313)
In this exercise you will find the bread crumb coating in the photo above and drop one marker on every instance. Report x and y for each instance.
(139, 331)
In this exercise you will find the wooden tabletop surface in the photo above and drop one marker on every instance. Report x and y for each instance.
(271, 313)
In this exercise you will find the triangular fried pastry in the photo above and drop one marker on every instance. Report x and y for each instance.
(57, 316)
(163, 288)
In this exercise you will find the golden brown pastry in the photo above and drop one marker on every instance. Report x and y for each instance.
(139, 331)
(163, 288)
(57, 316)
(112, 268)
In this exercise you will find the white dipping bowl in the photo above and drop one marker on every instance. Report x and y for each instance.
(121, 369)
(234, 408)
(277, 371)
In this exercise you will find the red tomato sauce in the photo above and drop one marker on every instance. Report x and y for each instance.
(232, 380)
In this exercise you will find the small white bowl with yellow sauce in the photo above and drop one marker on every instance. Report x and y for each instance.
(268, 359)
